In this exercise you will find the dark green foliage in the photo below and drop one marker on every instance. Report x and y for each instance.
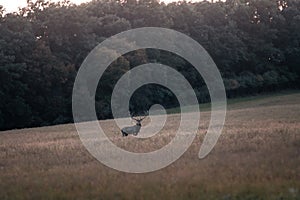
(255, 44)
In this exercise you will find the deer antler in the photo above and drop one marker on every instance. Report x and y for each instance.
(145, 115)
(132, 116)
(141, 118)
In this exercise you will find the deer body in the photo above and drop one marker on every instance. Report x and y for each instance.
(134, 130)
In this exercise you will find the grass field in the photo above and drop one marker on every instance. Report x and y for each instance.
(256, 157)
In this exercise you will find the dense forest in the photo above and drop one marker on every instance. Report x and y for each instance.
(255, 44)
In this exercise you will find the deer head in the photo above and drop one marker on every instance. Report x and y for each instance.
(140, 118)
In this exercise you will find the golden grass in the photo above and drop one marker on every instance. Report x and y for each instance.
(256, 157)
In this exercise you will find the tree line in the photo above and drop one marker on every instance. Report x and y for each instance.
(255, 44)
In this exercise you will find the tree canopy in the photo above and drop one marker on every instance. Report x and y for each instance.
(255, 44)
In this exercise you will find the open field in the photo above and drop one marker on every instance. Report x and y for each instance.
(256, 157)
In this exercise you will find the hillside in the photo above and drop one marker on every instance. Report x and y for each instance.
(256, 157)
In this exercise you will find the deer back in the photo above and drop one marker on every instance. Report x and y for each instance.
(131, 129)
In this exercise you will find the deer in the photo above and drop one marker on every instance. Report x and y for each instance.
(134, 130)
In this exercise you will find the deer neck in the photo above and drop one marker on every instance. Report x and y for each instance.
(138, 126)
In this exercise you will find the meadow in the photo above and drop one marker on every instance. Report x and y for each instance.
(256, 157)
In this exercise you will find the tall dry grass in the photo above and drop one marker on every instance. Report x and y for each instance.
(256, 157)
